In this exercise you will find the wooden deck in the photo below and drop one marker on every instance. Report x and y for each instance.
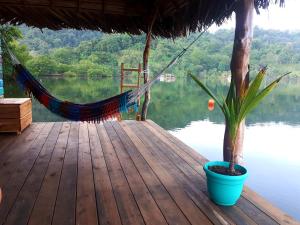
(118, 173)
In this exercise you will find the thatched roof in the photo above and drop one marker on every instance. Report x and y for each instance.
(174, 17)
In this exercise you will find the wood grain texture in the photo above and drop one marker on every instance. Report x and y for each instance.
(18, 176)
(124, 172)
(106, 202)
(21, 210)
(127, 206)
(65, 206)
(15, 114)
(147, 205)
(44, 206)
(86, 210)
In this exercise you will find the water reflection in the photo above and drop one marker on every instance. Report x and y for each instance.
(174, 105)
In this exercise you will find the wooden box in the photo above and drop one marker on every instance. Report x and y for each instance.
(15, 114)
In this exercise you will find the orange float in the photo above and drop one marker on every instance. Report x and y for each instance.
(211, 104)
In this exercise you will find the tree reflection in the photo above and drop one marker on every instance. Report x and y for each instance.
(173, 105)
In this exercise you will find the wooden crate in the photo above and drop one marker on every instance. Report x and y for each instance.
(15, 114)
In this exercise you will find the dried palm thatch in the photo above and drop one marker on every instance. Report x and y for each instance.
(174, 17)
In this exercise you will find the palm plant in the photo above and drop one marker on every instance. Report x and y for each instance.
(236, 108)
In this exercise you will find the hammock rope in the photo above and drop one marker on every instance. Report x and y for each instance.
(136, 94)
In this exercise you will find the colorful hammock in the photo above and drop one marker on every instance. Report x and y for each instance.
(95, 112)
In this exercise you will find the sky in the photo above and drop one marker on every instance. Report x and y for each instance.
(285, 18)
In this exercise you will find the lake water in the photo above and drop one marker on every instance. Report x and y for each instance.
(272, 137)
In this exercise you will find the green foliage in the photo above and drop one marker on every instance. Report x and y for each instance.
(43, 41)
(99, 71)
(209, 58)
(42, 65)
(10, 33)
(70, 74)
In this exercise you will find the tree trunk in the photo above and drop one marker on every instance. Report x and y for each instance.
(239, 69)
(1, 71)
(146, 76)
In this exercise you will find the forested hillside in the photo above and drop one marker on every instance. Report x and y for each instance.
(90, 53)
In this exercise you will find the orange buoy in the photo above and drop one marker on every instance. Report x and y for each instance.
(211, 104)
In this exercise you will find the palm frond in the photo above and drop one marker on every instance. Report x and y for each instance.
(235, 108)
(206, 89)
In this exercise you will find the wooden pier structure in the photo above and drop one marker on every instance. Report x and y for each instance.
(124, 172)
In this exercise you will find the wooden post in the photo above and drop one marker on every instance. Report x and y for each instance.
(145, 64)
(138, 82)
(239, 67)
(146, 76)
(122, 77)
(1, 71)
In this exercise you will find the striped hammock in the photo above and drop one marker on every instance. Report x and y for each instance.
(92, 112)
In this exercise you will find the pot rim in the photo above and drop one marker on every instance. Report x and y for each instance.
(222, 176)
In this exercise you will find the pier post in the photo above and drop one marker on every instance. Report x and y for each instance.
(239, 68)
(145, 65)
(146, 76)
(1, 71)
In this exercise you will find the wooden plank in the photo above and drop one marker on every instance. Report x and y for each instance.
(257, 215)
(5, 141)
(20, 212)
(131, 69)
(106, 203)
(182, 162)
(191, 161)
(15, 109)
(147, 205)
(268, 208)
(130, 85)
(162, 170)
(65, 207)
(27, 136)
(128, 209)
(25, 108)
(190, 151)
(245, 206)
(167, 205)
(17, 178)
(25, 121)
(16, 151)
(15, 124)
(44, 206)
(13, 101)
(86, 210)
(183, 173)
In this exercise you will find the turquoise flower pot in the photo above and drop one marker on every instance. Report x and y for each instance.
(224, 189)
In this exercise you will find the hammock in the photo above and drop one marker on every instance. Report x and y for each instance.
(96, 112)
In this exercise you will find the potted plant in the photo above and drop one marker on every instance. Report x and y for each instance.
(225, 179)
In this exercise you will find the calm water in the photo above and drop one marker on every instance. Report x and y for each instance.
(272, 138)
